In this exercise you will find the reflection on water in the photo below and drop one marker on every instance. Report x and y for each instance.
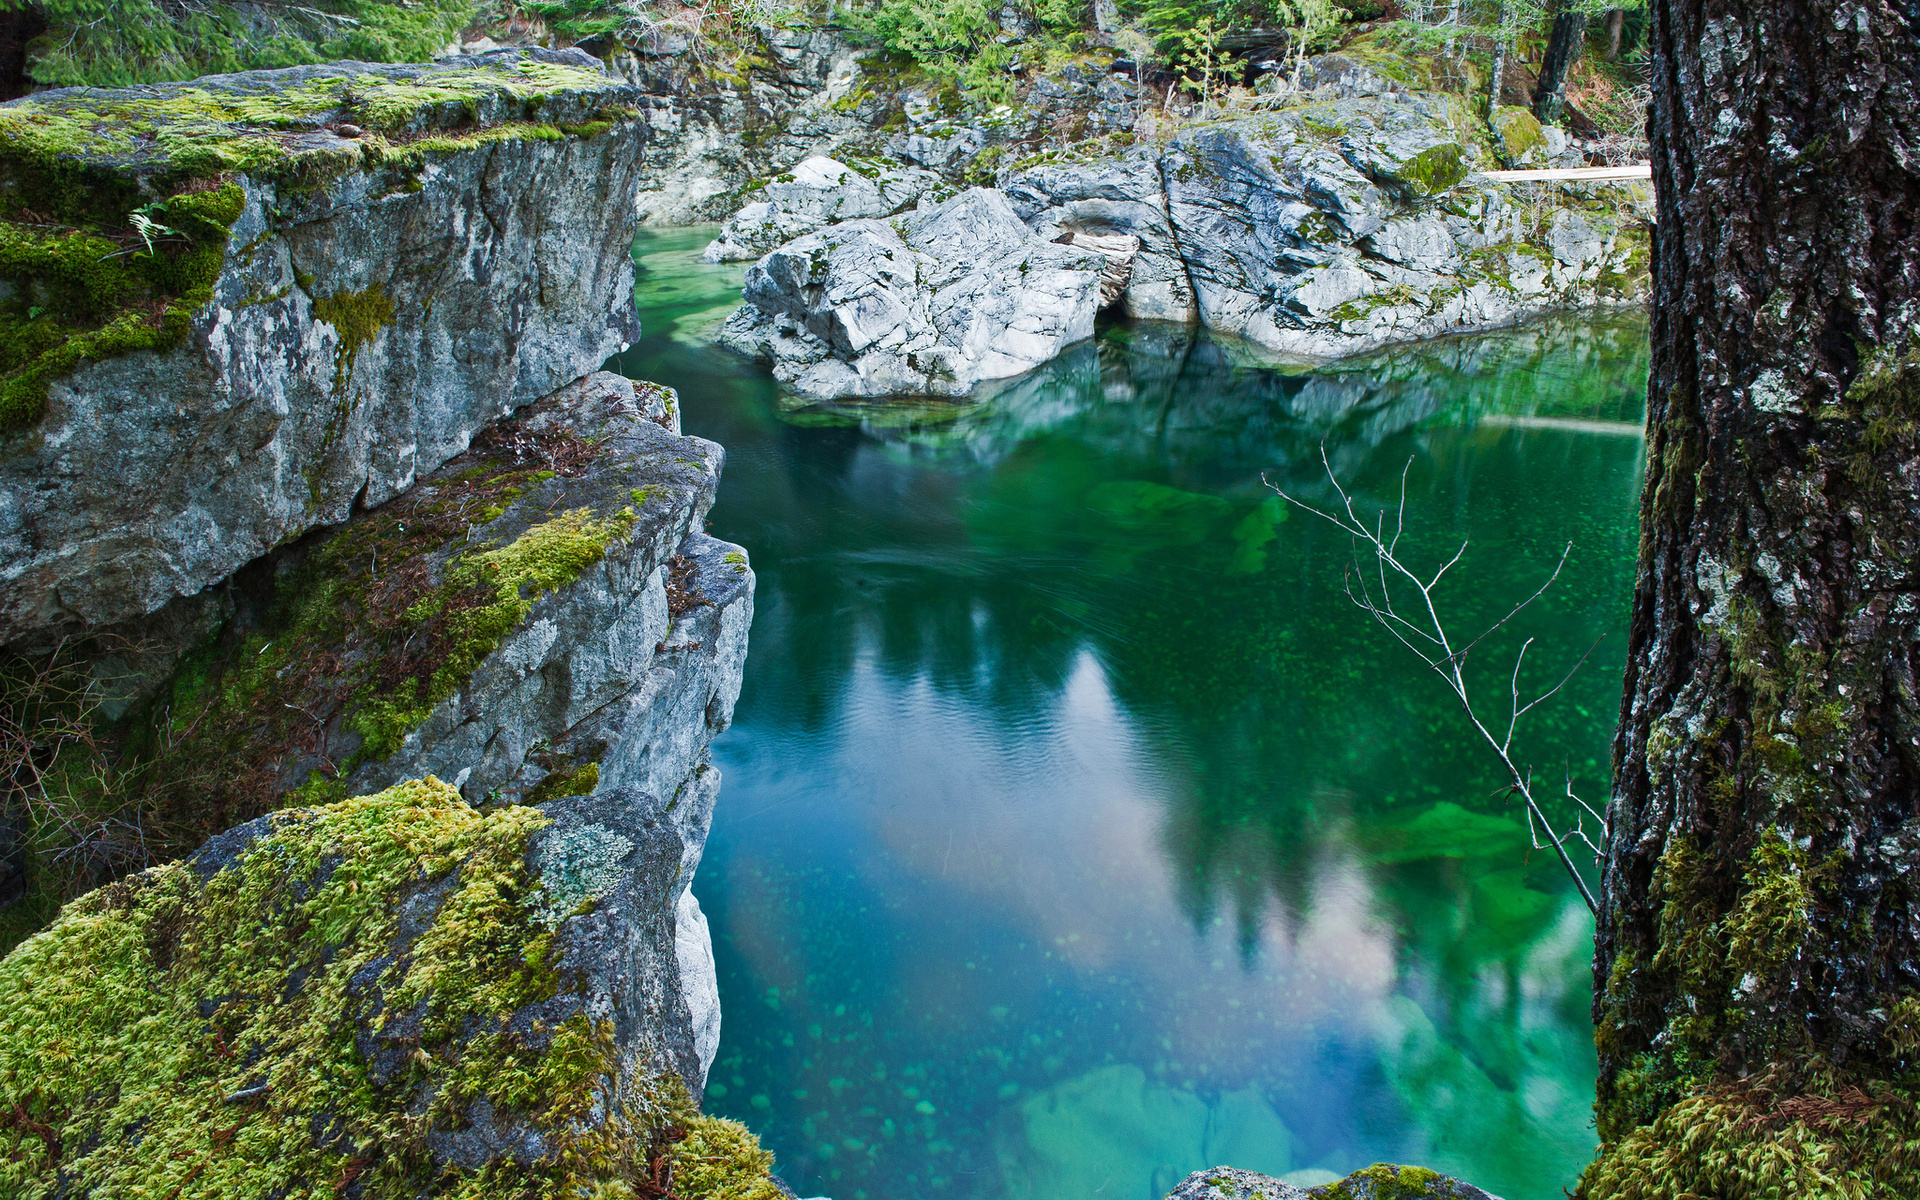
(1078, 833)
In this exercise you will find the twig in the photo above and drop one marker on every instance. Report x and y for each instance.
(1435, 647)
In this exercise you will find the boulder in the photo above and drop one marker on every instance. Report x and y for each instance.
(392, 995)
(1382, 1181)
(817, 192)
(543, 616)
(928, 303)
(322, 319)
(1104, 199)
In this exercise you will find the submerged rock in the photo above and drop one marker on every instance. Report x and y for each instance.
(391, 995)
(336, 316)
(1382, 1181)
(929, 303)
(818, 192)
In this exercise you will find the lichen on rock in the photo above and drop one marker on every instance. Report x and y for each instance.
(368, 999)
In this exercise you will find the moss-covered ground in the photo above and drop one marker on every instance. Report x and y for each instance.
(148, 41)
(187, 1033)
(116, 206)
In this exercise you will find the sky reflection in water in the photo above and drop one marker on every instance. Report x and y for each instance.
(1078, 833)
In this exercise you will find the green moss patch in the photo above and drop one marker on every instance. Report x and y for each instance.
(74, 292)
(148, 41)
(1519, 130)
(1435, 170)
(343, 646)
(308, 1015)
(116, 206)
(1830, 1140)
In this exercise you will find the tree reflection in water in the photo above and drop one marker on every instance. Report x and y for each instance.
(1077, 832)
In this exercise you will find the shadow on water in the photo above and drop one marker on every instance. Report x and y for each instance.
(1078, 832)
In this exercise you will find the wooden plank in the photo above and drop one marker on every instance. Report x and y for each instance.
(1634, 173)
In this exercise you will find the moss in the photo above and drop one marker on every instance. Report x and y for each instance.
(722, 1160)
(1753, 1140)
(577, 781)
(358, 317)
(485, 597)
(1434, 170)
(1382, 1181)
(174, 1036)
(1519, 130)
(147, 41)
(82, 294)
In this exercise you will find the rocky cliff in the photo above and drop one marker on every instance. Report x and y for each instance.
(327, 551)
(235, 308)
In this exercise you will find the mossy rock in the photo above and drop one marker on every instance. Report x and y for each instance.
(395, 995)
(1519, 130)
(1436, 169)
(335, 650)
(116, 206)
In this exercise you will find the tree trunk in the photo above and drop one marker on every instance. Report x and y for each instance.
(1563, 46)
(1616, 24)
(1757, 968)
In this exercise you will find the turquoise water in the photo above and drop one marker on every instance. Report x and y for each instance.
(1078, 832)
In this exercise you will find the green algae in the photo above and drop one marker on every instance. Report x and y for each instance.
(183, 1034)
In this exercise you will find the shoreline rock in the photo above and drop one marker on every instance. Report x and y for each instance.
(1381, 1181)
(930, 303)
(379, 301)
(1350, 221)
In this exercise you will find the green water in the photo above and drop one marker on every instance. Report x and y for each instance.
(1077, 832)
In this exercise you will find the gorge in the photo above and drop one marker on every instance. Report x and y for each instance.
(374, 617)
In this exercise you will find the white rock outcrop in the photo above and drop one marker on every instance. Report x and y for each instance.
(926, 304)
(816, 193)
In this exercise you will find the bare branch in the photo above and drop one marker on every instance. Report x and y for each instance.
(1427, 628)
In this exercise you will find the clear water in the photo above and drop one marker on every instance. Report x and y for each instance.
(1078, 833)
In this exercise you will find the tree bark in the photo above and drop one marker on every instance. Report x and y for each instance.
(1563, 46)
(1616, 24)
(1757, 968)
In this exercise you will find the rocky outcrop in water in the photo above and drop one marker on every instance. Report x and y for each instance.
(819, 192)
(1350, 219)
(930, 303)
(506, 971)
(398, 256)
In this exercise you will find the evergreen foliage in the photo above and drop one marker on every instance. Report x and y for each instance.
(112, 43)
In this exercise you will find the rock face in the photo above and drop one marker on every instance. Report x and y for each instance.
(818, 191)
(1381, 1181)
(1349, 221)
(390, 995)
(926, 304)
(508, 983)
(382, 297)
